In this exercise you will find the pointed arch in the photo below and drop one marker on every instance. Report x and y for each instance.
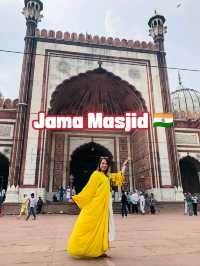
(96, 91)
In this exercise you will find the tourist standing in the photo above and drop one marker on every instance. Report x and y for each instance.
(94, 227)
(61, 193)
(189, 204)
(32, 206)
(134, 201)
(129, 202)
(185, 204)
(124, 202)
(152, 204)
(142, 203)
(194, 203)
(68, 193)
(39, 205)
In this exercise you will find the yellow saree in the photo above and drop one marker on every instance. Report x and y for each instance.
(89, 237)
(24, 207)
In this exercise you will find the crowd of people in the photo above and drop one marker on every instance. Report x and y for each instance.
(137, 202)
(191, 203)
(64, 194)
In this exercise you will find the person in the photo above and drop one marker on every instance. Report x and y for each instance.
(73, 191)
(147, 203)
(1, 197)
(32, 205)
(185, 204)
(68, 194)
(55, 199)
(24, 207)
(94, 227)
(39, 205)
(129, 201)
(189, 204)
(3, 194)
(152, 204)
(61, 193)
(134, 201)
(1, 204)
(194, 203)
(124, 202)
(142, 203)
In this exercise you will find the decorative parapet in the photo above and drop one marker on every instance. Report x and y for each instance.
(88, 38)
(187, 120)
(187, 115)
(8, 104)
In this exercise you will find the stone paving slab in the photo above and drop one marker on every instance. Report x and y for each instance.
(161, 240)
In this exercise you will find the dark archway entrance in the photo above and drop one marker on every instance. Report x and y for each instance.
(84, 161)
(4, 171)
(190, 171)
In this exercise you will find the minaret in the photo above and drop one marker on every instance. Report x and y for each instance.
(32, 12)
(157, 32)
(157, 29)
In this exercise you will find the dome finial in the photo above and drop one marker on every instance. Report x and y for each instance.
(179, 79)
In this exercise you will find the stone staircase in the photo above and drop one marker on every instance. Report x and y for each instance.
(72, 209)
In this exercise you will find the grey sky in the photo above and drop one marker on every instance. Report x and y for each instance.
(117, 18)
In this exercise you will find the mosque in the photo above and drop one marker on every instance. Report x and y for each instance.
(72, 74)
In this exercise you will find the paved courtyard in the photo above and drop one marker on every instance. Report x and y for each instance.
(163, 239)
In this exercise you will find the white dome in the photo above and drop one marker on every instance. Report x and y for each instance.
(185, 100)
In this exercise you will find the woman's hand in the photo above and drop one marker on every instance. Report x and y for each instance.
(125, 163)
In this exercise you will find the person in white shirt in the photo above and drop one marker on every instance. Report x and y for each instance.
(68, 194)
(185, 204)
(194, 203)
(32, 206)
(134, 200)
(142, 203)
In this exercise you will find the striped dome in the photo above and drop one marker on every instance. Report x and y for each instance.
(185, 100)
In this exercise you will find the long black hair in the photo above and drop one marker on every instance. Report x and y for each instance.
(99, 163)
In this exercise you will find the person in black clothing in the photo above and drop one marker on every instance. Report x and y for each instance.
(39, 205)
(152, 204)
(61, 193)
(194, 203)
(55, 199)
(124, 204)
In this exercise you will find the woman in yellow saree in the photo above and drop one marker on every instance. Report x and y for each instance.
(92, 230)
(24, 207)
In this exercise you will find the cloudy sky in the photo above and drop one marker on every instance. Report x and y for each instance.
(117, 18)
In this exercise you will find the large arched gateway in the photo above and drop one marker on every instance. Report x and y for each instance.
(190, 174)
(77, 153)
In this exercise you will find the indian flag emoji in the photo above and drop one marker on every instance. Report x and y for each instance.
(163, 120)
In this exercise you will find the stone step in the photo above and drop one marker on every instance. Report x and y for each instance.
(71, 208)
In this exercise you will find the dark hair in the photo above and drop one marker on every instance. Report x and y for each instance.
(99, 163)
(32, 195)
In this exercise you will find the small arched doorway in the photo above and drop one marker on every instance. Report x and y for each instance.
(190, 174)
(84, 161)
(4, 172)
